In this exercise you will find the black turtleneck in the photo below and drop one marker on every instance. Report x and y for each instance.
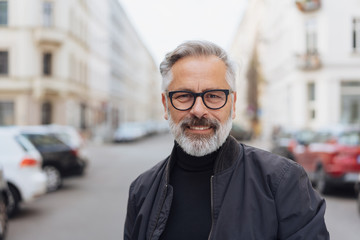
(190, 213)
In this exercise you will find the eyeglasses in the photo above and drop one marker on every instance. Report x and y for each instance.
(212, 99)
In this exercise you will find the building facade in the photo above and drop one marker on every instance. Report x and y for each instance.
(64, 62)
(244, 51)
(310, 60)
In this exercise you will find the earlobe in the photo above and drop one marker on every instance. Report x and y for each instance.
(163, 99)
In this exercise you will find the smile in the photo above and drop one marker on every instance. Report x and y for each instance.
(199, 128)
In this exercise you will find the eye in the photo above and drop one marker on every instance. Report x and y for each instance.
(182, 97)
(211, 95)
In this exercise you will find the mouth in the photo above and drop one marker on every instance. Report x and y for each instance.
(199, 128)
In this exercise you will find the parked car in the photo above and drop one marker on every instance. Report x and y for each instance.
(330, 159)
(129, 132)
(240, 133)
(286, 141)
(357, 190)
(4, 191)
(283, 142)
(22, 168)
(59, 159)
(67, 134)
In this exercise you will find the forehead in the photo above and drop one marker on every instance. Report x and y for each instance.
(199, 73)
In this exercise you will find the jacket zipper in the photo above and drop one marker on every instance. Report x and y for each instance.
(212, 206)
(158, 216)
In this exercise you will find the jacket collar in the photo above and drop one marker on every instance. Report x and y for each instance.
(227, 155)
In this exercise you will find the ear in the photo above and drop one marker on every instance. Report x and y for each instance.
(234, 106)
(163, 98)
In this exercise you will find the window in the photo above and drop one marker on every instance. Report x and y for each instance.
(311, 91)
(3, 13)
(42, 140)
(356, 35)
(24, 143)
(350, 102)
(46, 111)
(312, 114)
(350, 109)
(311, 100)
(48, 14)
(350, 139)
(83, 116)
(354, 111)
(47, 62)
(4, 62)
(7, 113)
(311, 36)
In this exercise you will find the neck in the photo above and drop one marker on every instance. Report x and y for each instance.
(193, 163)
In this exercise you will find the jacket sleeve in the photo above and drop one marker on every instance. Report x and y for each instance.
(130, 216)
(300, 208)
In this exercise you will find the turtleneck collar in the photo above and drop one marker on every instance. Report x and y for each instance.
(192, 163)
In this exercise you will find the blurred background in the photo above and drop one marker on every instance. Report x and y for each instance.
(81, 77)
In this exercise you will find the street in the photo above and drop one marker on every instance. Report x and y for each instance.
(94, 206)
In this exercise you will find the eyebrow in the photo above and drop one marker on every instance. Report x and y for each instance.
(189, 90)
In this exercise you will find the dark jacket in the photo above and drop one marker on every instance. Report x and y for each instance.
(255, 195)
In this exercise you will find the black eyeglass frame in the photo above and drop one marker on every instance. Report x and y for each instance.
(196, 95)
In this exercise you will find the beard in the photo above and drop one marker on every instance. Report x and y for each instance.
(200, 144)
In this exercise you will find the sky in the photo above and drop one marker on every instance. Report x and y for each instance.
(164, 24)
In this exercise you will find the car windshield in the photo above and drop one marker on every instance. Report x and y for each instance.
(305, 136)
(42, 140)
(24, 143)
(350, 139)
(69, 138)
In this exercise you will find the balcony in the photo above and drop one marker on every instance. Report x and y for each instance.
(48, 36)
(308, 61)
(308, 5)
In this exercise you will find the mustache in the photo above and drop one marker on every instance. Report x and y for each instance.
(194, 121)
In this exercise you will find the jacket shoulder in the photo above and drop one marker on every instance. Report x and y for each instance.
(263, 157)
(145, 180)
(272, 167)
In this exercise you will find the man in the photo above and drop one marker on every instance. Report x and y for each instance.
(212, 187)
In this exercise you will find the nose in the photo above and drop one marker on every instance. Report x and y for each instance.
(199, 109)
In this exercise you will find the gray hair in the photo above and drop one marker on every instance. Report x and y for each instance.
(197, 49)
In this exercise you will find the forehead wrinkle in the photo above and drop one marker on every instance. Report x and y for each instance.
(199, 74)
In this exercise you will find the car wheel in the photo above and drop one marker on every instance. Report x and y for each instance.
(13, 201)
(53, 178)
(3, 220)
(358, 201)
(322, 185)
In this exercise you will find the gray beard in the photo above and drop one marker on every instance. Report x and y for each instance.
(200, 145)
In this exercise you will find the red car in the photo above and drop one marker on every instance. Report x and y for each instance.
(330, 160)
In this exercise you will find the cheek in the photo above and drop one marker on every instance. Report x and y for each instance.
(176, 115)
(224, 117)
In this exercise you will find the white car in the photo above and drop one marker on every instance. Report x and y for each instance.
(130, 131)
(22, 168)
(4, 196)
